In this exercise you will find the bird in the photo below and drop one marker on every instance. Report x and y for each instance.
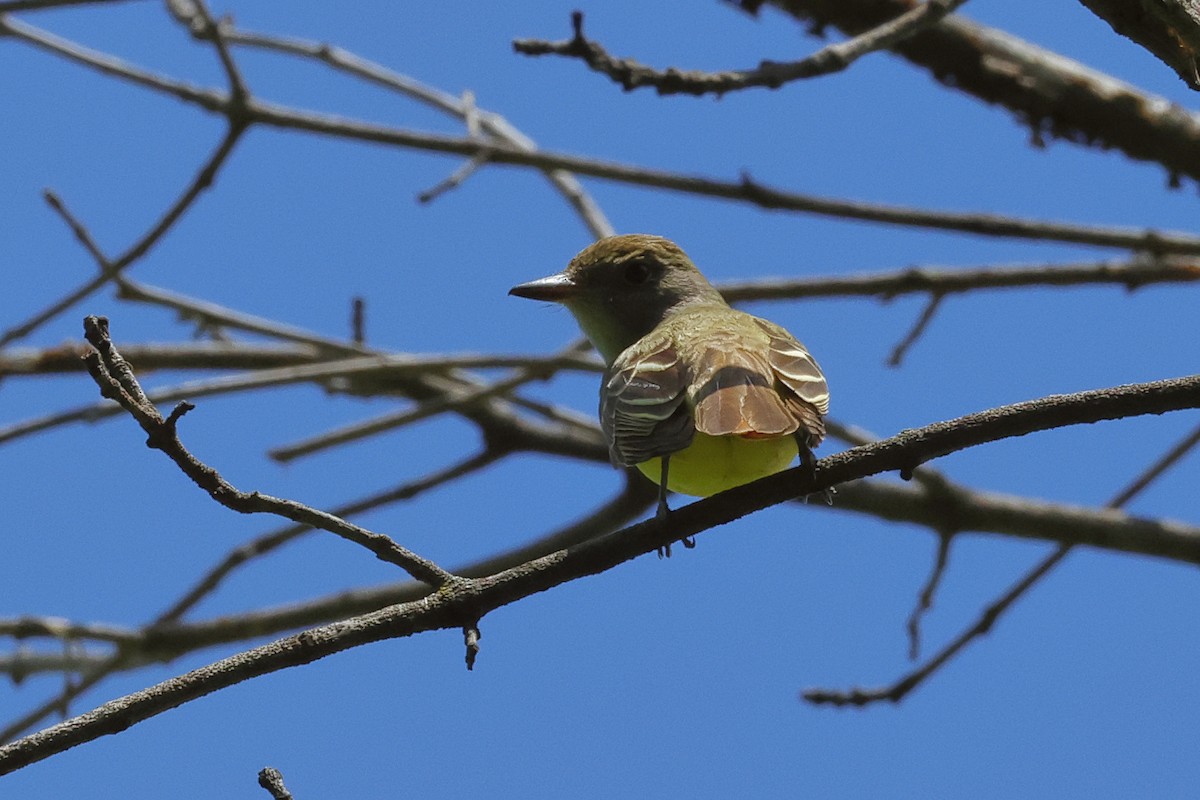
(698, 396)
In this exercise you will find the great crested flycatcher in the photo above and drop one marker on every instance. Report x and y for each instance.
(699, 396)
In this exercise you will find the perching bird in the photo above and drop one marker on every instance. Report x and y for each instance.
(700, 397)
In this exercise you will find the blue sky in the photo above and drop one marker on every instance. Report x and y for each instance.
(659, 678)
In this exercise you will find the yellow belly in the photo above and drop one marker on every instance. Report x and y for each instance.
(713, 464)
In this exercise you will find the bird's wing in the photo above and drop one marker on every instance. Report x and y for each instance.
(642, 408)
(798, 371)
(734, 392)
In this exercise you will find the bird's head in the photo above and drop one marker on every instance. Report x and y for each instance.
(620, 288)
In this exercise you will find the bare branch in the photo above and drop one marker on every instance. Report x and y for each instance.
(209, 99)
(67, 661)
(1051, 94)
(769, 74)
(1022, 517)
(66, 358)
(166, 638)
(931, 507)
(1131, 274)
(117, 715)
(64, 630)
(471, 599)
(745, 190)
(116, 380)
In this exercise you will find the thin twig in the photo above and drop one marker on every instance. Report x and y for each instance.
(769, 74)
(925, 596)
(454, 179)
(212, 31)
(207, 313)
(469, 168)
(918, 328)
(209, 99)
(358, 322)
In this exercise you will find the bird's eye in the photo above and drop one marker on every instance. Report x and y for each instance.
(636, 272)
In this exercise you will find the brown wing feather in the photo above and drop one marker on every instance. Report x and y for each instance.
(734, 395)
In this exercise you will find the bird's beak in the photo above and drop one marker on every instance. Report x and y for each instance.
(554, 288)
